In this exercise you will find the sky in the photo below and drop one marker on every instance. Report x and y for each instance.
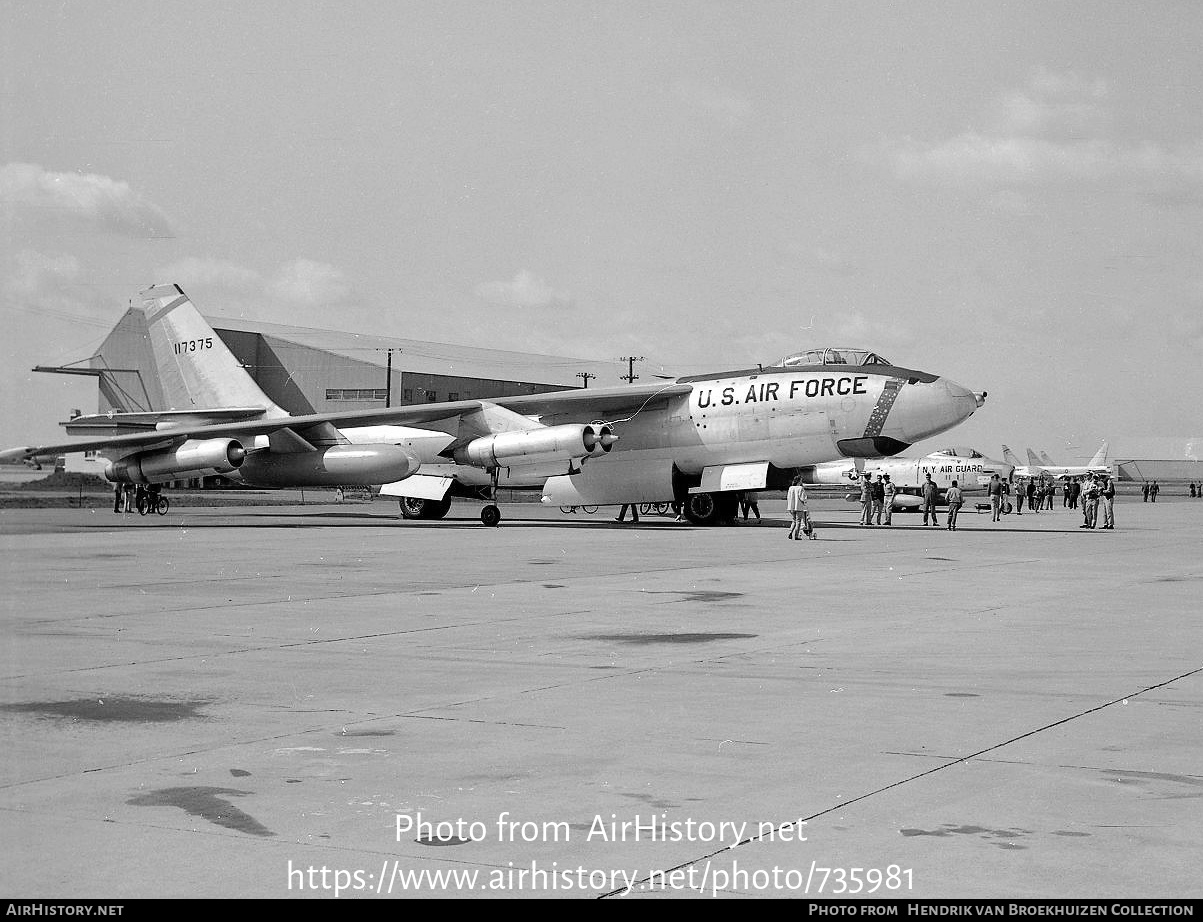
(1007, 193)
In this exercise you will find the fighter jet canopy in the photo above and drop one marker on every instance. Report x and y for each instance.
(834, 355)
(960, 452)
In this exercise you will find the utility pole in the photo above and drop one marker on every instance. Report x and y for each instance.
(388, 384)
(585, 376)
(630, 377)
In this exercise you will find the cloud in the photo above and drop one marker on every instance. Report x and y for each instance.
(223, 287)
(728, 106)
(99, 200)
(34, 275)
(974, 157)
(304, 281)
(525, 290)
(194, 271)
(1054, 129)
(51, 288)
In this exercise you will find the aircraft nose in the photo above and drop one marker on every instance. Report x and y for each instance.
(926, 409)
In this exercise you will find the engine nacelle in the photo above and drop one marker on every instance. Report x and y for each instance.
(191, 459)
(552, 443)
(339, 465)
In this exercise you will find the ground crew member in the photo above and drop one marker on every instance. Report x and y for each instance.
(888, 493)
(929, 493)
(955, 499)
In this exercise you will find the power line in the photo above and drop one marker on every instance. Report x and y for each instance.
(630, 377)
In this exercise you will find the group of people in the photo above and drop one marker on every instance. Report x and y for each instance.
(127, 497)
(1037, 491)
(1149, 491)
(1196, 490)
(877, 500)
(1098, 492)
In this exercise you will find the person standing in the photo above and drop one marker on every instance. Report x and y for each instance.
(1144, 491)
(622, 513)
(955, 499)
(751, 502)
(929, 494)
(1065, 493)
(889, 491)
(1153, 491)
(1090, 502)
(1033, 494)
(995, 492)
(795, 504)
(879, 499)
(1107, 502)
(118, 497)
(866, 500)
(1019, 495)
(1075, 490)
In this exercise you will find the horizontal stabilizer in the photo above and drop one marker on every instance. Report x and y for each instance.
(156, 420)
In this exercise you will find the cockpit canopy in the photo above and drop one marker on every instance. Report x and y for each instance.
(960, 452)
(834, 355)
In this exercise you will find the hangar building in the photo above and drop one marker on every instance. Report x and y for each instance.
(317, 371)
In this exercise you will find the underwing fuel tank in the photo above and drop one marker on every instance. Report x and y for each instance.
(192, 459)
(553, 443)
(339, 465)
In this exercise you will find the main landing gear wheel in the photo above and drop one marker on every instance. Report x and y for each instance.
(490, 515)
(412, 508)
(711, 508)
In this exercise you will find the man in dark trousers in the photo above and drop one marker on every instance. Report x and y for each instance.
(995, 492)
(929, 500)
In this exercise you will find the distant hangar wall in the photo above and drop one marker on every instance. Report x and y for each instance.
(317, 371)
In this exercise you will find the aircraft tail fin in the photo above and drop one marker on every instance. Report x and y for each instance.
(1009, 457)
(196, 369)
(1033, 461)
(1100, 457)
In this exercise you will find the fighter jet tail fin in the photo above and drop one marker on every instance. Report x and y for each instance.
(1009, 457)
(1100, 457)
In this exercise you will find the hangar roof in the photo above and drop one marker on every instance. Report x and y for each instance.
(433, 358)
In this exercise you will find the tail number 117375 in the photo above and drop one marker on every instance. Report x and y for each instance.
(192, 345)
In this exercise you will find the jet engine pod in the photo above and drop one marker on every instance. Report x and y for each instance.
(552, 443)
(339, 465)
(191, 459)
